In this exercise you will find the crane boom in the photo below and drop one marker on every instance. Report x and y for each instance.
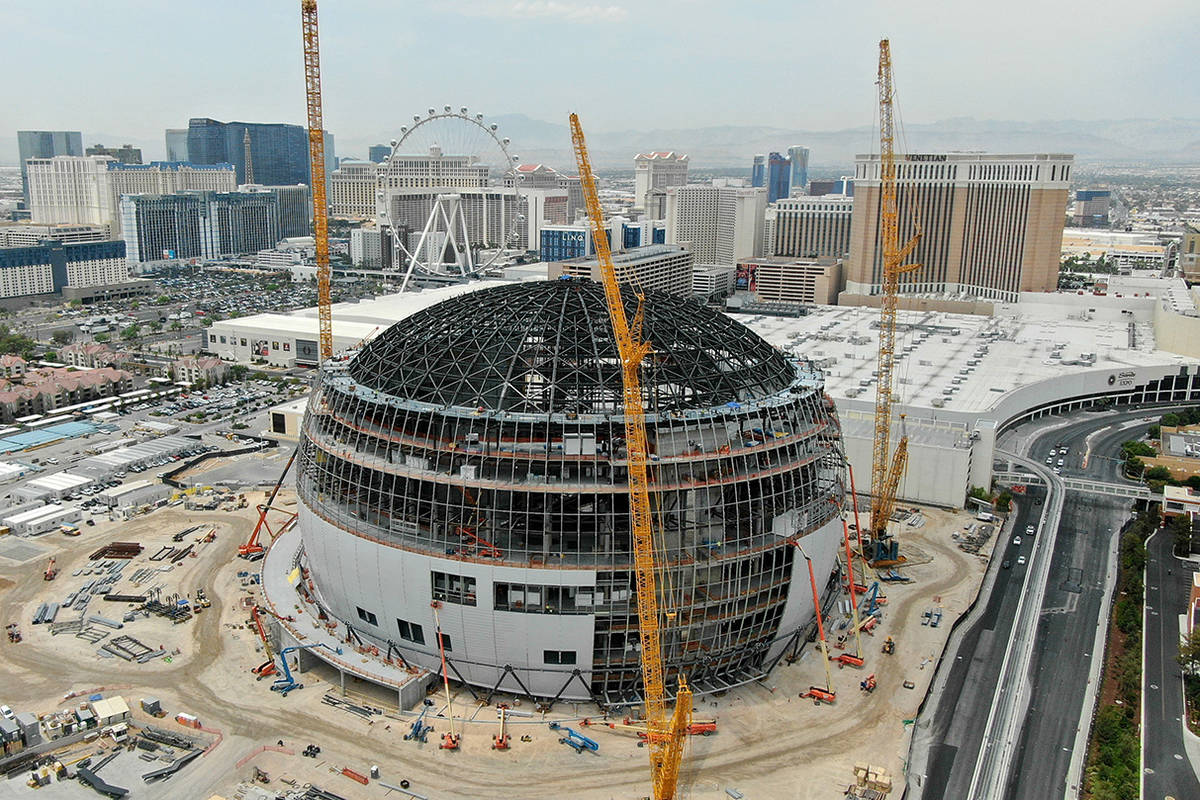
(883, 485)
(665, 738)
(316, 155)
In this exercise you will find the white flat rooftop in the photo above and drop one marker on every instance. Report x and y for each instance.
(39, 513)
(59, 481)
(933, 349)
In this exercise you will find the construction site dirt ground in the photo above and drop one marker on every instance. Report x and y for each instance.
(770, 742)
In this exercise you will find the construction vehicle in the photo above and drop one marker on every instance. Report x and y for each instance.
(267, 667)
(853, 588)
(500, 740)
(202, 600)
(868, 683)
(847, 660)
(698, 727)
(667, 736)
(51, 571)
(419, 730)
(252, 550)
(889, 647)
(873, 601)
(288, 682)
(475, 545)
(887, 467)
(818, 695)
(451, 740)
(316, 157)
(14, 632)
(575, 740)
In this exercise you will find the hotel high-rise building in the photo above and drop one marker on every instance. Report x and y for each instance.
(279, 152)
(45, 144)
(809, 227)
(657, 170)
(798, 154)
(198, 225)
(352, 190)
(126, 153)
(87, 189)
(991, 224)
(720, 224)
(177, 145)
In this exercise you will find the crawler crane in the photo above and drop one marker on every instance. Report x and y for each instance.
(885, 479)
(665, 736)
(316, 155)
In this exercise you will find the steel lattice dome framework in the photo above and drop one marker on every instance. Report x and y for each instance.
(547, 347)
(472, 455)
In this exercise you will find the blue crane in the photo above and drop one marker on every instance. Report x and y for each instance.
(420, 729)
(575, 740)
(287, 683)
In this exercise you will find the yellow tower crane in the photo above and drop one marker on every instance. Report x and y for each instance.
(885, 477)
(316, 154)
(665, 737)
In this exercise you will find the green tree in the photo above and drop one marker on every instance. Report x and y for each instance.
(156, 326)
(1189, 652)
(176, 326)
(132, 332)
(980, 493)
(1170, 420)
(238, 372)
(1180, 528)
(1155, 432)
(1158, 474)
(15, 343)
(101, 338)
(62, 336)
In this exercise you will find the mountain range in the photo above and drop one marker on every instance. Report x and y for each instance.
(1115, 141)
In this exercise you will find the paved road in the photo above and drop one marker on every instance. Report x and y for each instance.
(1066, 631)
(1167, 769)
(961, 713)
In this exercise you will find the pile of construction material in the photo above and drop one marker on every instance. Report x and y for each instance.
(975, 536)
(870, 782)
(117, 550)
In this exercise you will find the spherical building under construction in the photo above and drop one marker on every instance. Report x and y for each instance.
(473, 455)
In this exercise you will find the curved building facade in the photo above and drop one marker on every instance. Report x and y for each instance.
(472, 456)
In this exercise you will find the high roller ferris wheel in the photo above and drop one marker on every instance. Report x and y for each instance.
(449, 196)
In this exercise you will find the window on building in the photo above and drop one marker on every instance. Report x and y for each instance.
(274, 345)
(243, 342)
(446, 643)
(558, 656)
(287, 345)
(538, 599)
(278, 422)
(367, 616)
(222, 340)
(453, 588)
(412, 632)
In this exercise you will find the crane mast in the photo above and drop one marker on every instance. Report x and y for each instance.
(665, 737)
(316, 154)
(885, 478)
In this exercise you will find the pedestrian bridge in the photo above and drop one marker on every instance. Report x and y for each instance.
(1085, 485)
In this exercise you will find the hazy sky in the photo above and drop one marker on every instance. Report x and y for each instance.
(130, 68)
